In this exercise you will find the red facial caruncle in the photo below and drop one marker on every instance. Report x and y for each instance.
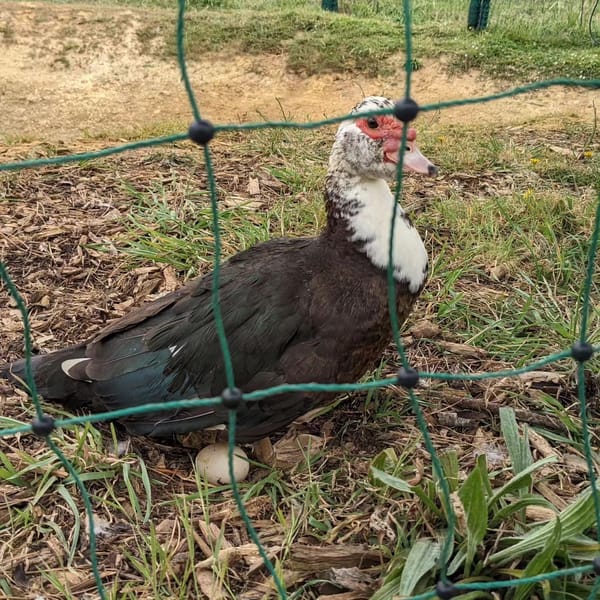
(389, 129)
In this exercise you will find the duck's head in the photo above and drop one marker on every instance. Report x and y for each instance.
(369, 146)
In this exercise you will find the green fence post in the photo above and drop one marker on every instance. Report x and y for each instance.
(331, 5)
(479, 11)
(484, 14)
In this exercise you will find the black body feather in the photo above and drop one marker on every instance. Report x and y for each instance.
(294, 310)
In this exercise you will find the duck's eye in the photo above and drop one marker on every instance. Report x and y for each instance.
(372, 123)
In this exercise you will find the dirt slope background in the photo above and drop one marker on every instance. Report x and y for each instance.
(69, 72)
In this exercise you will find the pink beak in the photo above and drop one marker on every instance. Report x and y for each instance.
(413, 159)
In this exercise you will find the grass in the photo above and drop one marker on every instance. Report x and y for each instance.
(523, 246)
(509, 242)
(507, 224)
(312, 42)
(172, 224)
(523, 42)
(317, 42)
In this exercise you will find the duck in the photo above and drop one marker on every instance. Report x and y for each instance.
(294, 310)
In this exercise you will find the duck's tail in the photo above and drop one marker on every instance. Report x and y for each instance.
(51, 375)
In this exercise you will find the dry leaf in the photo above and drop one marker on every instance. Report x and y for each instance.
(353, 595)
(170, 277)
(556, 500)
(459, 512)
(381, 524)
(211, 586)
(425, 329)
(575, 463)
(242, 202)
(49, 232)
(166, 526)
(253, 187)
(498, 272)
(539, 513)
(542, 377)
(293, 450)
(44, 301)
(231, 554)
(562, 151)
(263, 450)
(352, 578)
(123, 306)
(305, 557)
(255, 508)
(452, 420)
(212, 534)
(485, 444)
(541, 444)
(463, 349)
(101, 525)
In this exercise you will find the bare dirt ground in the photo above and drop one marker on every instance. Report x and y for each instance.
(72, 71)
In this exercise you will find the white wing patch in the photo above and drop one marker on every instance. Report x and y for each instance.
(68, 364)
(174, 350)
(371, 222)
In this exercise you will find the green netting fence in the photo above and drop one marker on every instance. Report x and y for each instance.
(202, 131)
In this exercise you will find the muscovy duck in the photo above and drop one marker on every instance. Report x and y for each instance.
(294, 310)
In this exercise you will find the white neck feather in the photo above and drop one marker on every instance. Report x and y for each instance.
(371, 206)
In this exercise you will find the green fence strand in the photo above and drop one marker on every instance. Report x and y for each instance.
(432, 107)
(498, 585)
(398, 193)
(4, 277)
(85, 156)
(589, 275)
(408, 61)
(586, 293)
(285, 388)
(89, 511)
(447, 545)
(245, 518)
(212, 186)
(14, 293)
(214, 201)
(181, 59)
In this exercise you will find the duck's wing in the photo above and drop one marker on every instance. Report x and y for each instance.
(169, 349)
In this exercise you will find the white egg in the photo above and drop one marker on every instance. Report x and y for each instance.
(212, 463)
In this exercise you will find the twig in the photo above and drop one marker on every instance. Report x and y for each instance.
(521, 413)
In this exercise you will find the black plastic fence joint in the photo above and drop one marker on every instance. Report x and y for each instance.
(232, 398)
(406, 110)
(201, 132)
(407, 377)
(582, 351)
(43, 426)
(446, 590)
